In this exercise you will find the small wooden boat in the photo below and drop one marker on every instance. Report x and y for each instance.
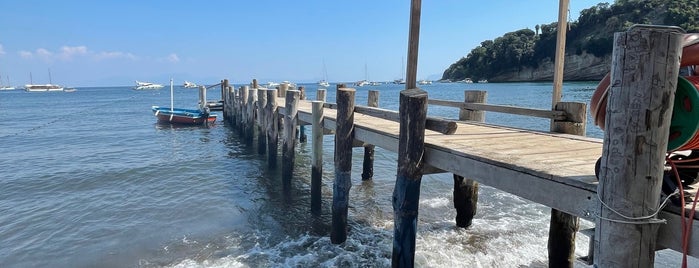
(171, 115)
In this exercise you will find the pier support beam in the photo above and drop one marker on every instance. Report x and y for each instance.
(466, 190)
(261, 125)
(645, 67)
(406, 194)
(250, 116)
(317, 158)
(272, 127)
(242, 109)
(320, 95)
(302, 129)
(344, 136)
(289, 138)
(564, 227)
(368, 164)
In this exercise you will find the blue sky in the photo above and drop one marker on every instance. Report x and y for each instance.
(104, 43)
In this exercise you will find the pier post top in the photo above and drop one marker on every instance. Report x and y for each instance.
(347, 89)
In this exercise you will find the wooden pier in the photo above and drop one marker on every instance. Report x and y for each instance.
(553, 169)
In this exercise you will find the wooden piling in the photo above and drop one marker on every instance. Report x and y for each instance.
(272, 127)
(254, 83)
(406, 193)
(289, 135)
(368, 164)
(645, 67)
(261, 126)
(250, 116)
(242, 108)
(224, 96)
(302, 128)
(320, 95)
(344, 136)
(564, 227)
(283, 87)
(466, 190)
(317, 158)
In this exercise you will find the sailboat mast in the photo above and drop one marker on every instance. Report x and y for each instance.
(50, 82)
(172, 97)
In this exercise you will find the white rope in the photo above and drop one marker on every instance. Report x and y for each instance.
(638, 220)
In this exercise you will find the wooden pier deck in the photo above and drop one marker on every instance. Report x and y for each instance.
(552, 169)
(542, 167)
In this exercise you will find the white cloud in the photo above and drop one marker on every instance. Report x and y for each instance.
(173, 58)
(2, 50)
(106, 55)
(67, 53)
(25, 54)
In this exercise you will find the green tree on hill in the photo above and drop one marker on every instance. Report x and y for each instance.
(592, 33)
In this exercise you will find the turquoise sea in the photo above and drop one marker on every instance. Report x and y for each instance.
(88, 179)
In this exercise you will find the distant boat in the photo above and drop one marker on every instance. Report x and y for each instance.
(483, 81)
(272, 84)
(399, 81)
(466, 80)
(147, 85)
(69, 90)
(8, 86)
(361, 83)
(373, 83)
(424, 82)
(179, 116)
(188, 84)
(31, 87)
(324, 81)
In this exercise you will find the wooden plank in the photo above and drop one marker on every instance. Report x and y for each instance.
(501, 109)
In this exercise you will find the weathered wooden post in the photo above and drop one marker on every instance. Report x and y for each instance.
(250, 116)
(411, 149)
(224, 96)
(289, 138)
(320, 95)
(272, 127)
(302, 128)
(466, 190)
(317, 158)
(368, 164)
(283, 87)
(564, 227)
(261, 126)
(645, 67)
(254, 83)
(344, 137)
(406, 194)
(243, 104)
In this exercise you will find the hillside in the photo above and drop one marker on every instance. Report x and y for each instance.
(527, 55)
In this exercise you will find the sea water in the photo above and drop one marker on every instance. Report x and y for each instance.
(90, 180)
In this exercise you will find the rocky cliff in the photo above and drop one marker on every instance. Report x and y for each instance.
(583, 67)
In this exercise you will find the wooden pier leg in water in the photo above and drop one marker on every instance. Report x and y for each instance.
(261, 126)
(243, 104)
(289, 141)
(320, 95)
(224, 97)
(406, 194)
(317, 159)
(272, 130)
(466, 190)
(250, 113)
(645, 66)
(564, 227)
(368, 164)
(302, 129)
(344, 137)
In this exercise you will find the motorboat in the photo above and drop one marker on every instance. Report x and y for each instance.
(147, 85)
(188, 84)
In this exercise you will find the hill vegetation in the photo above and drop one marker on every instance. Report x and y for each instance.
(591, 34)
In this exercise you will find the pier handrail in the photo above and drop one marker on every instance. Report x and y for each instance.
(438, 124)
(555, 115)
